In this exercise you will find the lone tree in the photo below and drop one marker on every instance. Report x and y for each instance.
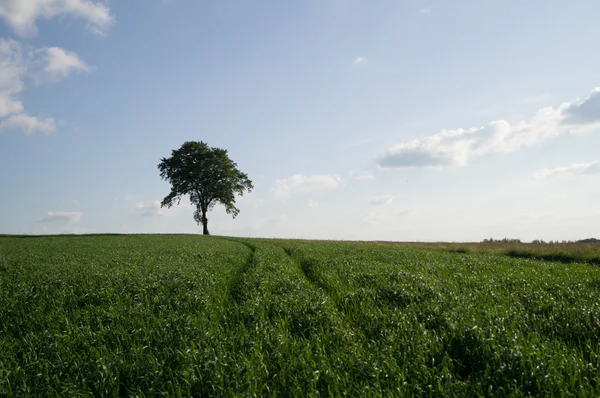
(207, 175)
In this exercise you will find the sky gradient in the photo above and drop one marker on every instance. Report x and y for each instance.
(390, 120)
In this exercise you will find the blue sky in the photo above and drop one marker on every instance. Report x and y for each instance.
(392, 120)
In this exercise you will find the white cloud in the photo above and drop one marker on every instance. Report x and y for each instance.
(150, 209)
(19, 62)
(9, 105)
(62, 217)
(29, 124)
(381, 200)
(21, 15)
(456, 147)
(314, 204)
(12, 69)
(304, 183)
(360, 60)
(425, 10)
(574, 169)
(58, 63)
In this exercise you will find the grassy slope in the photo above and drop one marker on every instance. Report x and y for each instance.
(181, 315)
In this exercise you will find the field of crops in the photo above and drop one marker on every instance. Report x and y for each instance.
(180, 315)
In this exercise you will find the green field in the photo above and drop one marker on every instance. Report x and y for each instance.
(180, 315)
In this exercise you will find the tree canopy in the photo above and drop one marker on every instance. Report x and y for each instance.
(207, 175)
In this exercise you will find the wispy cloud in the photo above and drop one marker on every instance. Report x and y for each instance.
(574, 169)
(360, 60)
(21, 15)
(456, 147)
(425, 10)
(62, 217)
(150, 209)
(57, 63)
(29, 124)
(12, 69)
(285, 187)
(381, 200)
(18, 62)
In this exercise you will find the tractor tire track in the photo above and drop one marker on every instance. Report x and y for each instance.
(236, 288)
(307, 267)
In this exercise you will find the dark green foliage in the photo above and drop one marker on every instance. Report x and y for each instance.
(207, 176)
(560, 256)
(208, 316)
(589, 240)
(504, 240)
(459, 250)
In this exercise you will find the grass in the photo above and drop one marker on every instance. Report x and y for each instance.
(180, 315)
(566, 253)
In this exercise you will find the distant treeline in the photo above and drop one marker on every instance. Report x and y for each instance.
(540, 241)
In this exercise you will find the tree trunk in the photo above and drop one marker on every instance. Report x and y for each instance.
(205, 225)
